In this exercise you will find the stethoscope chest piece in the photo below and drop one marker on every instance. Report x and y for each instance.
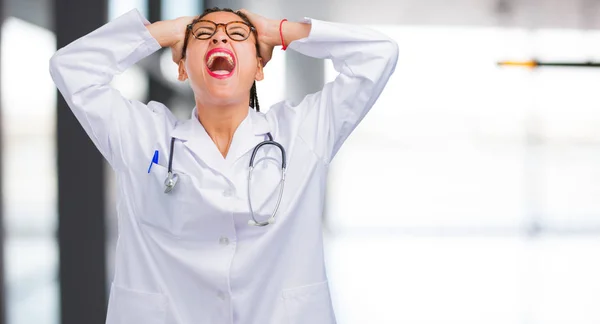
(171, 181)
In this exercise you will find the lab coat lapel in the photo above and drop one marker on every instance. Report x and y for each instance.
(253, 132)
(250, 132)
(195, 137)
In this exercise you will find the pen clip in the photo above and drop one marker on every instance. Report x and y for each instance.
(154, 160)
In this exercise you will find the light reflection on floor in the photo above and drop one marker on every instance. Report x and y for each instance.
(392, 279)
(464, 280)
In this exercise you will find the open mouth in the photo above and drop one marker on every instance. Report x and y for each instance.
(220, 63)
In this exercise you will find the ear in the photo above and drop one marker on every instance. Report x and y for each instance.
(259, 71)
(182, 73)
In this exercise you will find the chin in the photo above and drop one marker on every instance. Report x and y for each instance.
(221, 92)
(224, 96)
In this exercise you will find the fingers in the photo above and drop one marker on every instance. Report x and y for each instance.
(253, 17)
(265, 57)
(247, 13)
(176, 56)
(181, 29)
(177, 52)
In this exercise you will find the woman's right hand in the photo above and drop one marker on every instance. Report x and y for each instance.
(171, 33)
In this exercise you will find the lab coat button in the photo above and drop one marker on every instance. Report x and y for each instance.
(221, 295)
(223, 240)
(228, 193)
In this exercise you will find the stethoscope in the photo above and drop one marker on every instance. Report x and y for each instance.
(172, 177)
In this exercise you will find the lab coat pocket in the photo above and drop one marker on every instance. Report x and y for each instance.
(128, 306)
(167, 212)
(309, 304)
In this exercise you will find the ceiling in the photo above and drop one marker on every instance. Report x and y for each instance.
(579, 14)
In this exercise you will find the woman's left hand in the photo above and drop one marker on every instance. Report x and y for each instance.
(268, 34)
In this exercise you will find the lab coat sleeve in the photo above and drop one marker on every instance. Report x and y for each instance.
(364, 59)
(83, 70)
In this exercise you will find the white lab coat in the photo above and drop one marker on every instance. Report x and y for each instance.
(190, 257)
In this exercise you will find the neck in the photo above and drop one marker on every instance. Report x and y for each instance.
(220, 122)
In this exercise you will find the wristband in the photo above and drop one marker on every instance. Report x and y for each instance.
(283, 47)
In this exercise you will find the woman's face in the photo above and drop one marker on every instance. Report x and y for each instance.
(221, 70)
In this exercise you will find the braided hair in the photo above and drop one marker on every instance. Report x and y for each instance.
(253, 96)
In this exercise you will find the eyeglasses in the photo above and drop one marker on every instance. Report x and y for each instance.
(235, 30)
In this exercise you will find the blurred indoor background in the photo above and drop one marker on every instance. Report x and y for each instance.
(470, 194)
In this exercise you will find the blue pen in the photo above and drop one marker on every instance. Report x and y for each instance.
(154, 160)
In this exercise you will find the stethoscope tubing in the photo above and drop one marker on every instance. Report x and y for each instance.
(172, 177)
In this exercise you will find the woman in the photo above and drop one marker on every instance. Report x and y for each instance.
(189, 255)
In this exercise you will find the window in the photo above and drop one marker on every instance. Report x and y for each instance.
(29, 174)
(469, 194)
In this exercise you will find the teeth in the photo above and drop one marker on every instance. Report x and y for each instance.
(214, 55)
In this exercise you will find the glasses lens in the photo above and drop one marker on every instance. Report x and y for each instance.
(203, 29)
(238, 31)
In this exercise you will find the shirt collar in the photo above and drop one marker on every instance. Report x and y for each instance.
(191, 127)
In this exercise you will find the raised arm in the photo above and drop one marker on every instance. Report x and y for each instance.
(83, 70)
(364, 58)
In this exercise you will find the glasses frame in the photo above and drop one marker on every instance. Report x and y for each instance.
(217, 25)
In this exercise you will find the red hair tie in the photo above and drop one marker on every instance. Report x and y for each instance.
(283, 48)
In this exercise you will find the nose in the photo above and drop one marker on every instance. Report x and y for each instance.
(219, 36)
